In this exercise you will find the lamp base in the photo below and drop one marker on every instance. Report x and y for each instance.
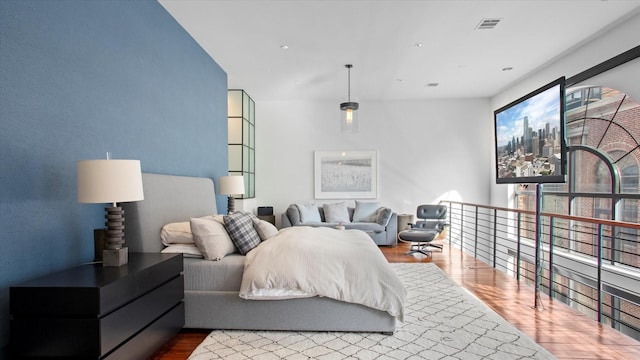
(230, 205)
(115, 257)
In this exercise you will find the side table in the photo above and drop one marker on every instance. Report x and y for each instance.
(96, 312)
(403, 221)
(268, 218)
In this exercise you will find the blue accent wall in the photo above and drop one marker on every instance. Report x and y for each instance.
(77, 79)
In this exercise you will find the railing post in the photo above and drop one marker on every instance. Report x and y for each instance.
(551, 240)
(450, 223)
(495, 234)
(538, 247)
(475, 236)
(614, 253)
(519, 227)
(461, 230)
(599, 259)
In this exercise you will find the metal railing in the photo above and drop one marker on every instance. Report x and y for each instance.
(592, 265)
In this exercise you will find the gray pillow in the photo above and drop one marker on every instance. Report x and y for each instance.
(365, 211)
(383, 215)
(309, 213)
(241, 231)
(336, 213)
(294, 214)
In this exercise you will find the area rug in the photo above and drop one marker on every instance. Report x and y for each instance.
(442, 321)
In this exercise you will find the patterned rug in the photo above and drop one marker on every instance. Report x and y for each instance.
(442, 321)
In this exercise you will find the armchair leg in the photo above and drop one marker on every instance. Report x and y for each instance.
(419, 248)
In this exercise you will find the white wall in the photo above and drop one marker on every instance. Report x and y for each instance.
(427, 150)
(598, 49)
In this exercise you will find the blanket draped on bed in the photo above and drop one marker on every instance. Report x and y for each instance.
(344, 265)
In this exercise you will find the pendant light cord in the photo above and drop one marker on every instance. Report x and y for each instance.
(349, 84)
(349, 66)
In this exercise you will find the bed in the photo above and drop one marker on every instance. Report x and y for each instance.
(215, 303)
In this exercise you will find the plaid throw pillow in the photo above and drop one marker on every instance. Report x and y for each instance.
(240, 228)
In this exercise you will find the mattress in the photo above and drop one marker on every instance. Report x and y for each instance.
(206, 275)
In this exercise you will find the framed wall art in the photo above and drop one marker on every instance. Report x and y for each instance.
(346, 174)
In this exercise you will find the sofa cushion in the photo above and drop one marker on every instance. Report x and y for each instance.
(336, 213)
(383, 215)
(365, 226)
(309, 213)
(365, 211)
(293, 214)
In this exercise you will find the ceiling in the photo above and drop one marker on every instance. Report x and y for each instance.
(397, 48)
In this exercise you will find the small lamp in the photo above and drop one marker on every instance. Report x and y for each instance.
(111, 181)
(231, 185)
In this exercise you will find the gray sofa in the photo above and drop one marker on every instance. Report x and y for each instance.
(382, 229)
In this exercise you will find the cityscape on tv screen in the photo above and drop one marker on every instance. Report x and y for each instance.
(528, 137)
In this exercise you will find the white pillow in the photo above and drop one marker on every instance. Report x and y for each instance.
(187, 250)
(365, 211)
(309, 213)
(218, 218)
(211, 238)
(264, 229)
(336, 213)
(176, 233)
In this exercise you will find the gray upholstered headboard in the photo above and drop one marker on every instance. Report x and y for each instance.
(167, 198)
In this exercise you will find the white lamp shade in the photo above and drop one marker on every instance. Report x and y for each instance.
(109, 181)
(231, 185)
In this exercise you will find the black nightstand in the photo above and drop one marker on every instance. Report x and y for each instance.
(268, 218)
(97, 312)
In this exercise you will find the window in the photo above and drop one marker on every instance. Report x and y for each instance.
(603, 134)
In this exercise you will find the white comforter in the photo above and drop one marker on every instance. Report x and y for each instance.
(344, 265)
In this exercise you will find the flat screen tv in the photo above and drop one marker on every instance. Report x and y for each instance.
(529, 139)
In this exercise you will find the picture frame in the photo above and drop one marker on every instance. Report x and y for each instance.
(346, 174)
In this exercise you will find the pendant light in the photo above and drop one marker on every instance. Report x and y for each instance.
(348, 110)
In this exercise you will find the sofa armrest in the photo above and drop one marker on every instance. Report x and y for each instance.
(284, 221)
(392, 230)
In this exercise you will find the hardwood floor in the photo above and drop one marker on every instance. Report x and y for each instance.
(561, 330)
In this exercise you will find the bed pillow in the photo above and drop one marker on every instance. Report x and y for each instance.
(309, 213)
(383, 216)
(264, 229)
(187, 250)
(218, 218)
(176, 233)
(365, 211)
(336, 213)
(240, 228)
(211, 238)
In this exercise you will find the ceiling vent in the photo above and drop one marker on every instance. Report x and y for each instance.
(487, 24)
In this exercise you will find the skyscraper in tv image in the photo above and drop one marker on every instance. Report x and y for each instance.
(534, 153)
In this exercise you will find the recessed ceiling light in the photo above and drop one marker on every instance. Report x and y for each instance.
(418, 45)
(433, 84)
(507, 68)
(284, 47)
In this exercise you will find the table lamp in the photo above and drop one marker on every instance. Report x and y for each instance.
(111, 181)
(231, 185)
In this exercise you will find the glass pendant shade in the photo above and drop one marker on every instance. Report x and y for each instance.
(349, 117)
(349, 109)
